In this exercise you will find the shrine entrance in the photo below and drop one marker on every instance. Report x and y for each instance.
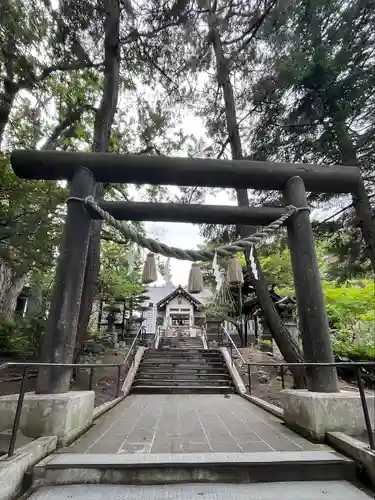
(85, 169)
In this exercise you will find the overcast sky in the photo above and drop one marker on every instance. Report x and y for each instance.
(187, 236)
(184, 236)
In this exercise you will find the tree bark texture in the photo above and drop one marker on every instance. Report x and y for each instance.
(102, 133)
(312, 315)
(285, 342)
(10, 288)
(7, 98)
(360, 198)
(60, 336)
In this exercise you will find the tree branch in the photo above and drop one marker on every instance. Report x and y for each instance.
(29, 81)
(121, 191)
(72, 117)
(255, 27)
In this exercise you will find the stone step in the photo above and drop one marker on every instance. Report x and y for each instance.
(155, 468)
(210, 357)
(181, 389)
(182, 373)
(176, 381)
(172, 362)
(308, 490)
(183, 367)
(188, 355)
(198, 361)
(182, 352)
(169, 370)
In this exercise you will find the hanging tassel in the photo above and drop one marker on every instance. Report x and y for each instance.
(149, 274)
(234, 272)
(195, 284)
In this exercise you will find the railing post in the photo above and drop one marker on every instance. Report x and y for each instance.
(118, 380)
(364, 407)
(282, 376)
(91, 378)
(17, 417)
(249, 375)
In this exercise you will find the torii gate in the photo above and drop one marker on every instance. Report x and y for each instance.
(85, 169)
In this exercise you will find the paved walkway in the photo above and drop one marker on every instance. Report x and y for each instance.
(184, 423)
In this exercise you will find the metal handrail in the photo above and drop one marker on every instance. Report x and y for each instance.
(158, 336)
(233, 344)
(14, 364)
(90, 366)
(141, 330)
(357, 365)
(205, 337)
(26, 367)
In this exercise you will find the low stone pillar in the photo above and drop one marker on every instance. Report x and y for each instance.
(292, 328)
(313, 414)
(265, 337)
(64, 415)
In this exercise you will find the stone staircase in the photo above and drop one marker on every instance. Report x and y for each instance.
(182, 366)
(181, 343)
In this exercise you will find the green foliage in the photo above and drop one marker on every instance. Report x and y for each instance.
(30, 221)
(274, 258)
(116, 279)
(349, 255)
(266, 342)
(351, 304)
(345, 350)
(21, 336)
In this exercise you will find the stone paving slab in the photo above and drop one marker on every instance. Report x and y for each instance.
(307, 490)
(188, 423)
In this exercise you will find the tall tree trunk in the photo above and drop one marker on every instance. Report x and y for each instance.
(285, 342)
(10, 288)
(7, 98)
(102, 133)
(360, 201)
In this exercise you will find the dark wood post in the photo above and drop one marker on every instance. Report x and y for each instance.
(60, 335)
(312, 314)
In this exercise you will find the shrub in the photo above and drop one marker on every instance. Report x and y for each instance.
(21, 336)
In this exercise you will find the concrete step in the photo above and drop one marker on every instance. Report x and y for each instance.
(307, 490)
(181, 389)
(182, 358)
(154, 468)
(183, 367)
(183, 374)
(182, 352)
(191, 361)
(203, 364)
(176, 381)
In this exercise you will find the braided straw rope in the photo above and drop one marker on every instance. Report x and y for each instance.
(192, 255)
